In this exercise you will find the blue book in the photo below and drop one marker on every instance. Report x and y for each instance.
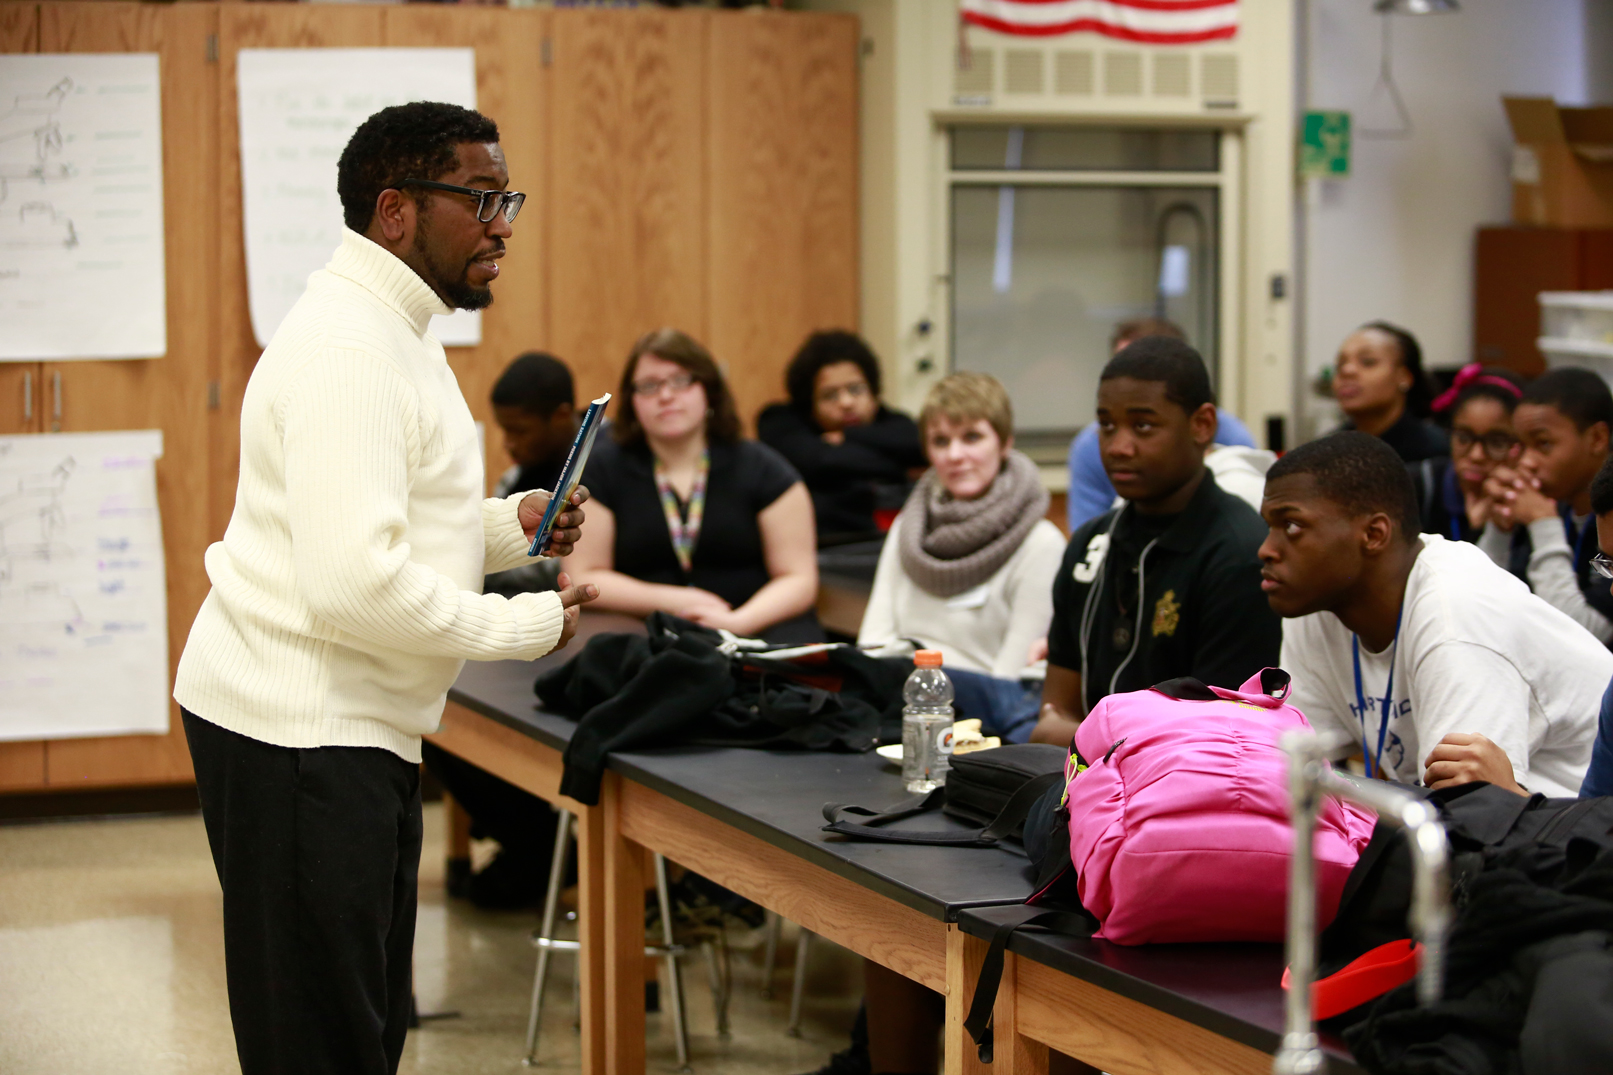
(571, 473)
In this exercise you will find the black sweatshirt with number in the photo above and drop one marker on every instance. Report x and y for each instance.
(1145, 599)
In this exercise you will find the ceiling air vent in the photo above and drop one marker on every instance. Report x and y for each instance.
(1072, 74)
(1123, 74)
(1171, 75)
(1218, 80)
(976, 77)
(1022, 71)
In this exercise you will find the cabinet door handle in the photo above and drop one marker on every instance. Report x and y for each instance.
(56, 388)
(27, 395)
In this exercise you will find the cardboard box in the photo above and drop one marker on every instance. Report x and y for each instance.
(1562, 166)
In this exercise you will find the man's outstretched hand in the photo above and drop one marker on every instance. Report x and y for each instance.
(572, 599)
(567, 528)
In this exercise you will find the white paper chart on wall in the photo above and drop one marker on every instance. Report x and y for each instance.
(298, 109)
(81, 225)
(83, 591)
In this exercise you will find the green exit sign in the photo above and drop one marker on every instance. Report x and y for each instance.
(1324, 145)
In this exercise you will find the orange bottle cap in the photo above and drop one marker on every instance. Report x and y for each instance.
(927, 658)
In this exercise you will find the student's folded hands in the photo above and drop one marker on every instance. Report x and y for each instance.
(567, 528)
(1463, 757)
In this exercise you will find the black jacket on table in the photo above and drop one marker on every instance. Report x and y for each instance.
(842, 478)
(1201, 611)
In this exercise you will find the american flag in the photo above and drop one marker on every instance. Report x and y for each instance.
(1150, 22)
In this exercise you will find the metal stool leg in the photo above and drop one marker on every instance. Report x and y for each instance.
(716, 950)
(799, 988)
(770, 954)
(544, 938)
(669, 960)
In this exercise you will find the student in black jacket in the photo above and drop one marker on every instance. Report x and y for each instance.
(847, 445)
(1167, 585)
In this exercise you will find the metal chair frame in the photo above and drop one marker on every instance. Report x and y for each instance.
(544, 940)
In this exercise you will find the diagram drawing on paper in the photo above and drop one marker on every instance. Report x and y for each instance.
(81, 217)
(30, 148)
(83, 602)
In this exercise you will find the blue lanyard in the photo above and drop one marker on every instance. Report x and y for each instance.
(1374, 762)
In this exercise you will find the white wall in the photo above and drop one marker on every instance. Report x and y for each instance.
(1395, 239)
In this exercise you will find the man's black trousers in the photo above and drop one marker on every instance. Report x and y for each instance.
(318, 852)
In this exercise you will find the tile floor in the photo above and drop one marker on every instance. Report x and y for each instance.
(111, 960)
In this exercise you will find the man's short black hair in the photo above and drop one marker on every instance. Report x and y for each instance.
(825, 349)
(1164, 358)
(419, 140)
(1582, 396)
(1358, 472)
(537, 382)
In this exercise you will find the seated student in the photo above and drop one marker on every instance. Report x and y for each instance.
(1400, 642)
(684, 516)
(1380, 385)
(848, 446)
(535, 406)
(968, 567)
(1091, 493)
(1544, 499)
(1167, 585)
(1479, 406)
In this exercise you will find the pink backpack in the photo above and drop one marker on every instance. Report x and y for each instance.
(1179, 824)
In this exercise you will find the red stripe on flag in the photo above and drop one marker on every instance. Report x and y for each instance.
(1099, 26)
(1144, 5)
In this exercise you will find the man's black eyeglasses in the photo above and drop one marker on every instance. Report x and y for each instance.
(489, 202)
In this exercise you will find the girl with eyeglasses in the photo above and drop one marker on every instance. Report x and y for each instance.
(685, 516)
(1478, 409)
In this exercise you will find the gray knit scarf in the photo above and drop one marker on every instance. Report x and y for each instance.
(949, 546)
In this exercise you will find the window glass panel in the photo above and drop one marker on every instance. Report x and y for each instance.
(1041, 275)
(1072, 149)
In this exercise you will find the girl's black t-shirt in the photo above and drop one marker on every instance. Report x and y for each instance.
(729, 559)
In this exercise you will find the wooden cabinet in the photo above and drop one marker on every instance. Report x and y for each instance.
(694, 168)
(1512, 266)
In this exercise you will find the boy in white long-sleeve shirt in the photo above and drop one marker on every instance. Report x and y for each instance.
(1402, 644)
(347, 595)
(1562, 422)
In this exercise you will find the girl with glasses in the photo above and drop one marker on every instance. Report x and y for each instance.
(1478, 409)
(687, 517)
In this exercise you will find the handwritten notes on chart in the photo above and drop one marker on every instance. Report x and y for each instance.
(299, 107)
(83, 592)
(81, 207)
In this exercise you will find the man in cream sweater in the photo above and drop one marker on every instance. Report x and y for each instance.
(347, 595)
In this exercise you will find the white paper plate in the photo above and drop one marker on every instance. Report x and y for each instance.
(890, 751)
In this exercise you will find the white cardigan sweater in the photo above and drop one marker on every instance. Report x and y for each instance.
(988, 629)
(347, 590)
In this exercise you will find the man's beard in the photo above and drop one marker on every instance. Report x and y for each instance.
(449, 278)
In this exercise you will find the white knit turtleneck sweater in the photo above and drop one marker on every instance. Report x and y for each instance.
(347, 590)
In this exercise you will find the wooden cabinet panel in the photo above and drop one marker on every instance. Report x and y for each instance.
(511, 89)
(782, 92)
(168, 393)
(19, 28)
(627, 200)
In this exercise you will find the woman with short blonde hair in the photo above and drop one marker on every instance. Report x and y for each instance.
(968, 566)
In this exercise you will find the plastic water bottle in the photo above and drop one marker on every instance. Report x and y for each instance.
(926, 724)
